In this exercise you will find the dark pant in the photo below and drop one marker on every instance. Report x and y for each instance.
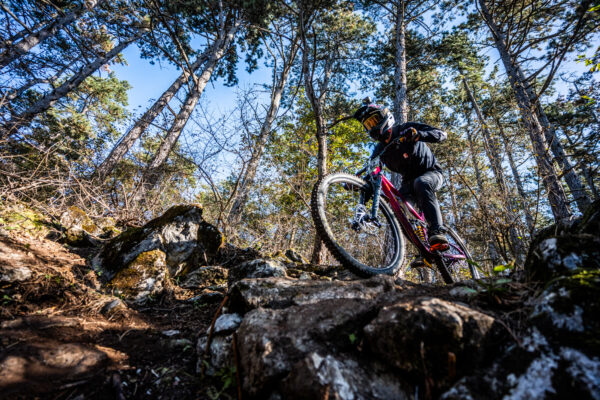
(423, 189)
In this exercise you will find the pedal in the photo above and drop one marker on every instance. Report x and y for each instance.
(440, 247)
(374, 221)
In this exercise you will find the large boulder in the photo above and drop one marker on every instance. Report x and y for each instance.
(305, 338)
(567, 312)
(181, 234)
(566, 248)
(429, 336)
(558, 354)
(210, 277)
(259, 268)
(249, 294)
(271, 342)
(344, 378)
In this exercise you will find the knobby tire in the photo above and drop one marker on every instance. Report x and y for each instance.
(341, 254)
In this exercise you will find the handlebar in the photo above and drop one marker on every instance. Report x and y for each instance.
(370, 165)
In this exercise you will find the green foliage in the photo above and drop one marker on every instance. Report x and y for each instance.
(353, 338)
(350, 54)
(79, 128)
(6, 299)
(227, 377)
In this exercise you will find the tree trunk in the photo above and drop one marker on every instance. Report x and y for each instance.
(493, 153)
(321, 135)
(586, 170)
(15, 93)
(127, 141)
(218, 51)
(48, 100)
(555, 192)
(22, 33)
(32, 40)
(489, 233)
(517, 178)
(568, 171)
(400, 85)
(316, 102)
(247, 180)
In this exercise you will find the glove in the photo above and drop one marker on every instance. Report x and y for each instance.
(410, 135)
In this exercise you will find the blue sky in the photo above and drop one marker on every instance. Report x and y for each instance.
(150, 81)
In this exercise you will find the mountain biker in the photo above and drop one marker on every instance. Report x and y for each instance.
(403, 150)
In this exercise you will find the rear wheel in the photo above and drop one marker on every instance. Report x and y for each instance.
(457, 262)
(364, 247)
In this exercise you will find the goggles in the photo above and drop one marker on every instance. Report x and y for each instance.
(372, 121)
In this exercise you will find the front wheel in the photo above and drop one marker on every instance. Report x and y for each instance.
(365, 247)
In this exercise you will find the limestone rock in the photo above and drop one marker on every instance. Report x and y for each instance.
(207, 297)
(271, 342)
(80, 229)
(219, 356)
(558, 356)
(227, 323)
(76, 217)
(284, 292)
(566, 249)
(442, 337)
(294, 256)
(205, 277)
(181, 233)
(567, 311)
(143, 277)
(9, 273)
(535, 371)
(557, 256)
(112, 306)
(259, 268)
(344, 378)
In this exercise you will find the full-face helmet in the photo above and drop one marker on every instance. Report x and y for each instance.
(376, 120)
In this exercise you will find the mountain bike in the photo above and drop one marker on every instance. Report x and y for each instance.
(363, 219)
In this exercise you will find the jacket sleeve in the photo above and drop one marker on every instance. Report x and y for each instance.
(377, 150)
(427, 133)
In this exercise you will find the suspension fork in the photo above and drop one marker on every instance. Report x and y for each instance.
(376, 182)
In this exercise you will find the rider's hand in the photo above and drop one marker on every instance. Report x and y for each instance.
(410, 135)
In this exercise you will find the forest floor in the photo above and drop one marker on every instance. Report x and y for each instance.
(59, 340)
(64, 336)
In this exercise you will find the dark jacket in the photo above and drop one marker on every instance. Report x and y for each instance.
(411, 159)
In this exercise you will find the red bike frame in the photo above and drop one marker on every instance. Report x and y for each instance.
(392, 194)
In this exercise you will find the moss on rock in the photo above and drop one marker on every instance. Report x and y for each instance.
(564, 249)
(145, 276)
(567, 311)
(18, 216)
(75, 218)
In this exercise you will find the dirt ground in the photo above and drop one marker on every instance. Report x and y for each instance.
(60, 339)
(62, 336)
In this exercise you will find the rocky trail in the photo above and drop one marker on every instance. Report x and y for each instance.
(170, 310)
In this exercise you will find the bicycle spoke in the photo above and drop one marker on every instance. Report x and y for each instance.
(370, 244)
